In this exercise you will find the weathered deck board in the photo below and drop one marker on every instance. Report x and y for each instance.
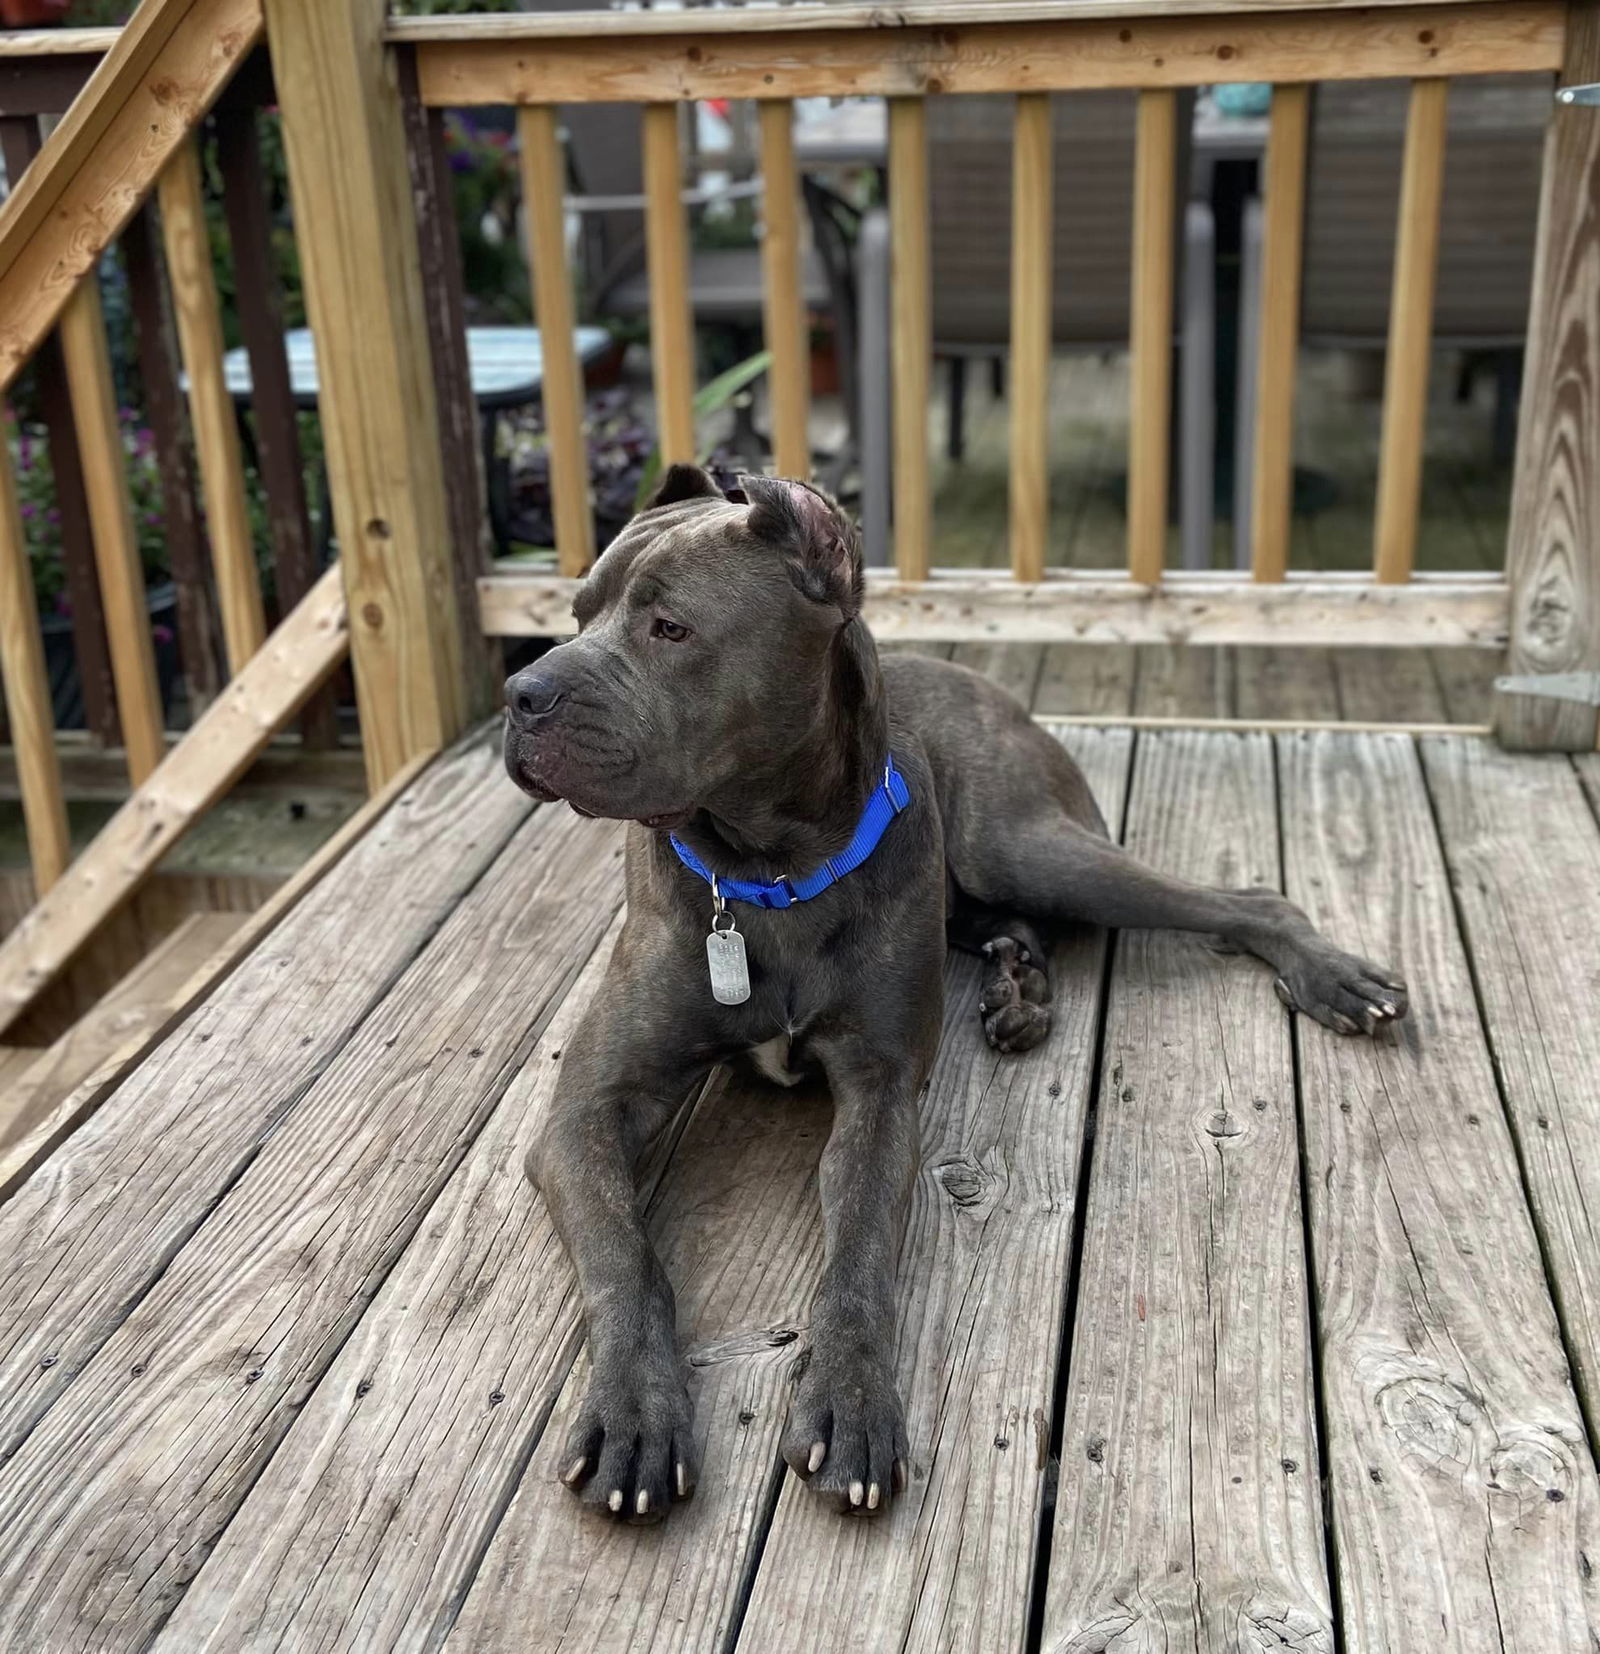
(1085, 680)
(1014, 666)
(89, 1232)
(403, 1459)
(1178, 682)
(169, 1423)
(1388, 686)
(1273, 683)
(982, 1286)
(1463, 1492)
(1189, 1510)
(1530, 903)
(1466, 681)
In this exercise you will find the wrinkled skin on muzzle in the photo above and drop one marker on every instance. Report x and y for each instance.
(699, 670)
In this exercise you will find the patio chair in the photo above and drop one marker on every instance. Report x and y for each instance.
(1488, 215)
(969, 159)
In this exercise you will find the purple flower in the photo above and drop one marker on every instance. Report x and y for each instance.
(24, 450)
(162, 634)
(52, 516)
(152, 519)
(28, 511)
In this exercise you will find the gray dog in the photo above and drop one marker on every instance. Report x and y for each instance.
(844, 822)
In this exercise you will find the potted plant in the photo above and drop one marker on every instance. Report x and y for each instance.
(41, 527)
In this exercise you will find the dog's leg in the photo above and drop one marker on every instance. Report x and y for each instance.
(846, 1431)
(1062, 871)
(631, 1451)
(1015, 998)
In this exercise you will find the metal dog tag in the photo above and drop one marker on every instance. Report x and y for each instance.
(730, 976)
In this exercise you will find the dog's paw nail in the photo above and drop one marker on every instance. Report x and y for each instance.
(615, 1501)
(641, 1505)
(1025, 956)
(899, 1475)
(819, 1451)
(682, 1474)
(874, 1495)
(1343, 1023)
(857, 1493)
(983, 1007)
(988, 950)
(574, 1470)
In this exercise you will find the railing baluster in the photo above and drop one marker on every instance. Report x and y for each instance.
(667, 253)
(27, 692)
(1032, 199)
(1155, 206)
(216, 432)
(783, 294)
(912, 332)
(116, 545)
(543, 193)
(1405, 391)
(1272, 489)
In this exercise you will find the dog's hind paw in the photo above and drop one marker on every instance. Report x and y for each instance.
(1012, 1002)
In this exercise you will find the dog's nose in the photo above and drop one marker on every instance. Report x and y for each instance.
(531, 696)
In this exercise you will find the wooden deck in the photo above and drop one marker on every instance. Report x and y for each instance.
(1218, 1331)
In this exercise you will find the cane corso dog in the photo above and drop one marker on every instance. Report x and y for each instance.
(848, 819)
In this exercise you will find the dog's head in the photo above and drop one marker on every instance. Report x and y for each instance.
(714, 635)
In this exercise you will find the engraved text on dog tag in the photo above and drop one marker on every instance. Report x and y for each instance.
(730, 976)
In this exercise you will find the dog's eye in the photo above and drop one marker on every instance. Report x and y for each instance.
(668, 629)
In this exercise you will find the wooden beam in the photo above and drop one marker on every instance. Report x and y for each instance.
(667, 255)
(1553, 547)
(1155, 222)
(1032, 213)
(37, 43)
(1313, 610)
(220, 747)
(148, 94)
(193, 283)
(508, 30)
(911, 332)
(116, 544)
(344, 135)
(814, 56)
(27, 692)
(787, 324)
(1277, 349)
(544, 210)
(1405, 390)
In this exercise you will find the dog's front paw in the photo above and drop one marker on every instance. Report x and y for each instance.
(847, 1433)
(1347, 994)
(1012, 1002)
(632, 1450)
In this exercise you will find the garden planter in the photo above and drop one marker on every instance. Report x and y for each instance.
(61, 659)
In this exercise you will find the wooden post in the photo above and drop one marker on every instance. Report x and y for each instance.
(345, 140)
(1155, 185)
(543, 207)
(1032, 204)
(1553, 549)
(216, 431)
(1405, 390)
(667, 254)
(912, 333)
(784, 293)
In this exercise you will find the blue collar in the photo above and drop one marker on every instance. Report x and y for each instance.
(889, 798)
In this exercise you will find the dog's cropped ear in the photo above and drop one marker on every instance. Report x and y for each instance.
(821, 543)
(683, 482)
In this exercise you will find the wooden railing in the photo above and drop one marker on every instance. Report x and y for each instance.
(361, 101)
(131, 136)
(1031, 48)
